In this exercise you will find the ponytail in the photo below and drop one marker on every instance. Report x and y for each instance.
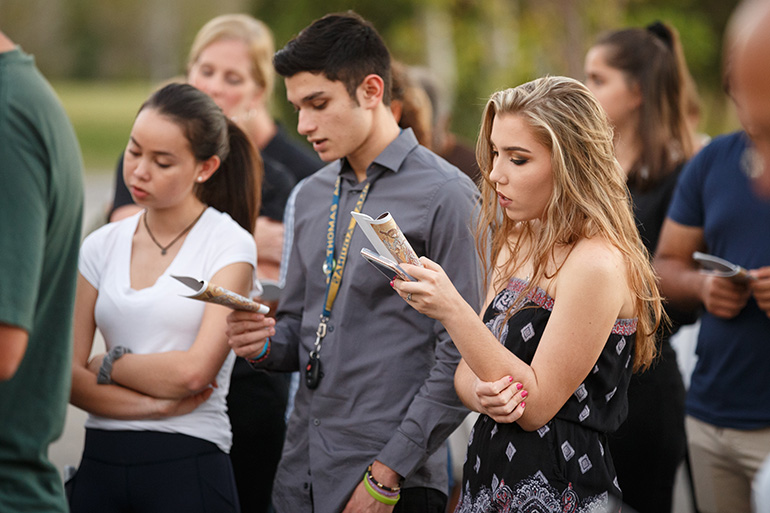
(237, 185)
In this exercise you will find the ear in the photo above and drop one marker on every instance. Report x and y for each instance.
(370, 91)
(636, 95)
(207, 168)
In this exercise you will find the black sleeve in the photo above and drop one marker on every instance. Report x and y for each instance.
(276, 187)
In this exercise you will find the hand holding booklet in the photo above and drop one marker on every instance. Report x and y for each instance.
(389, 242)
(721, 267)
(210, 293)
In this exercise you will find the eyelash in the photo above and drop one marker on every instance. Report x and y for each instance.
(136, 154)
(517, 162)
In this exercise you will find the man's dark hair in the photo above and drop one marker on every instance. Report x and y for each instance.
(343, 47)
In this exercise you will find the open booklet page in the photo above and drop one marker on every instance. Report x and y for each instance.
(721, 267)
(210, 293)
(387, 238)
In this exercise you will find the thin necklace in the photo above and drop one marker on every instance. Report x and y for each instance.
(163, 249)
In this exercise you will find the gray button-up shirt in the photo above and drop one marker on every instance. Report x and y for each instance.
(387, 390)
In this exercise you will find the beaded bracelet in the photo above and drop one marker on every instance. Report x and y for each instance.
(262, 355)
(373, 483)
(378, 495)
(392, 489)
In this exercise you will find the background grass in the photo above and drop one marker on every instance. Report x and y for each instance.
(102, 114)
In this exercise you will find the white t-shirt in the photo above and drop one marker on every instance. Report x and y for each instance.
(158, 318)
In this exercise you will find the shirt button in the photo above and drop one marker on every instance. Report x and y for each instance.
(316, 422)
(305, 486)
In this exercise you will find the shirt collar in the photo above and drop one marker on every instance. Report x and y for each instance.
(391, 158)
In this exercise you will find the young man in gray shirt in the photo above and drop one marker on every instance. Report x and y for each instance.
(377, 377)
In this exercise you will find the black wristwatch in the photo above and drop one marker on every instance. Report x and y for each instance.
(105, 371)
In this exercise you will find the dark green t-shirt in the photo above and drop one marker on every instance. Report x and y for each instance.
(41, 205)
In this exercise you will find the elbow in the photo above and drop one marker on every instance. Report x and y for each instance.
(531, 421)
(8, 370)
(196, 380)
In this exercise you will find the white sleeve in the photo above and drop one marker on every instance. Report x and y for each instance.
(91, 260)
(230, 244)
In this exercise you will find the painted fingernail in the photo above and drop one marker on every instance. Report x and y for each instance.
(391, 282)
(524, 394)
(522, 404)
(510, 379)
(519, 386)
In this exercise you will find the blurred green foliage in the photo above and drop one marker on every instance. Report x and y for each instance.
(102, 114)
(105, 56)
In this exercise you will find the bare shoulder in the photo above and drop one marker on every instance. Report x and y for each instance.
(596, 256)
(596, 270)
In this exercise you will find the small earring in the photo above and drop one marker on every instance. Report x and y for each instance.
(200, 178)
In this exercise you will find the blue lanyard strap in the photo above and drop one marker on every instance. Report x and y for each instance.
(332, 268)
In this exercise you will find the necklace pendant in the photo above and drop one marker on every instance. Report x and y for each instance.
(163, 252)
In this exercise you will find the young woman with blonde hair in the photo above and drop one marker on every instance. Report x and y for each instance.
(572, 304)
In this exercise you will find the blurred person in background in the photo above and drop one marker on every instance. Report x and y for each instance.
(411, 105)
(717, 208)
(752, 84)
(752, 81)
(639, 77)
(41, 208)
(157, 434)
(446, 143)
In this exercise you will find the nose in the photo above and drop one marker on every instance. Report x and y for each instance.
(140, 170)
(210, 85)
(495, 175)
(305, 123)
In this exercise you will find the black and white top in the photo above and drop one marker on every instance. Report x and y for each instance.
(564, 466)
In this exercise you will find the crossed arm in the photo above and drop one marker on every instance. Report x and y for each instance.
(152, 385)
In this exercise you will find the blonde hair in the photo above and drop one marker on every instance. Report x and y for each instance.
(256, 35)
(590, 197)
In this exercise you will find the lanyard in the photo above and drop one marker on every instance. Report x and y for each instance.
(332, 268)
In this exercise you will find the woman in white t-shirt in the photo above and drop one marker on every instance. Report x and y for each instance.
(158, 435)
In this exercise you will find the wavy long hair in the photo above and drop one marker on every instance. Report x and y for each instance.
(589, 199)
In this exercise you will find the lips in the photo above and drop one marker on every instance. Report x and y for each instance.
(318, 144)
(504, 201)
(138, 193)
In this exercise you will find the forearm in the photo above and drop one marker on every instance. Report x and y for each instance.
(171, 375)
(433, 414)
(485, 356)
(111, 401)
(465, 380)
(680, 283)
